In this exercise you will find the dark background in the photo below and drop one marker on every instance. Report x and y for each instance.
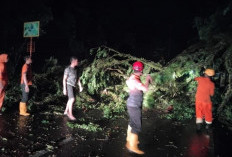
(149, 29)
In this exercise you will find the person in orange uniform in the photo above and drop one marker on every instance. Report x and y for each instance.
(3, 78)
(134, 106)
(26, 81)
(205, 90)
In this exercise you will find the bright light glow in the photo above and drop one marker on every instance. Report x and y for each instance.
(174, 75)
(191, 72)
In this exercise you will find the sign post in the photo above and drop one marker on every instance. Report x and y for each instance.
(31, 29)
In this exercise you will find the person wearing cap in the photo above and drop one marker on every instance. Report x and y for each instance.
(203, 103)
(134, 106)
(3, 78)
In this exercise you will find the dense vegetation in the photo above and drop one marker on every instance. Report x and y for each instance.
(106, 70)
(104, 77)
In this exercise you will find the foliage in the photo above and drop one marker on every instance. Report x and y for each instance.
(226, 115)
(173, 85)
(46, 88)
(182, 110)
(104, 80)
(214, 25)
(88, 127)
(13, 95)
(105, 76)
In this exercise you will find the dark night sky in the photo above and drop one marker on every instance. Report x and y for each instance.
(149, 29)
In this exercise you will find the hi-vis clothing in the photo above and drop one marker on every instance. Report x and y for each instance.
(3, 76)
(205, 90)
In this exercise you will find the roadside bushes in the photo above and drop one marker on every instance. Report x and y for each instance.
(104, 75)
(46, 88)
(173, 85)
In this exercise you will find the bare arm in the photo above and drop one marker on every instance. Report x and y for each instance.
(25, 82)
(148, 81)
(25, 79)
(64, 84)
(144, 87)
(1, 85)
(79, 84)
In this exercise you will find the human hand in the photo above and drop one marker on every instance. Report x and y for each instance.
(81, 88)
(26, 89)
(64, 91)
(149, 79)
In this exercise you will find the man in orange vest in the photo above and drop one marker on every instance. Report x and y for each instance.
(134, 106)
(26, 82)
(3, 78)
(205, 90)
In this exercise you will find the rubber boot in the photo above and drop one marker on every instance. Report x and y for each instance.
(198, 127)
(208, 128)
(23, 109)
(128, 133)
(132, 144)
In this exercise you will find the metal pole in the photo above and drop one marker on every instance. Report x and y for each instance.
(31, 46)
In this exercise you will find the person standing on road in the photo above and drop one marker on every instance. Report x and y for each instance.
(205, 90)
(3, 78)
(69, 84)
(134, 106)
(26, 82)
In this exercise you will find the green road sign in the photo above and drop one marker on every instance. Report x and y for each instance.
(31, 29)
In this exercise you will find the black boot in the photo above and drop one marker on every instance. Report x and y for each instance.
(208, 128)
(199, 127)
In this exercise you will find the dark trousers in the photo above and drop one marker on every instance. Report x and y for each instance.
(25, 94)
(135, 119)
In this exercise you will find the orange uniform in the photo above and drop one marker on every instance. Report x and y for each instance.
(205, 89)
(3, 76)
(27, 69)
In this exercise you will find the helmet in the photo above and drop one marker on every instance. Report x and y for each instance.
(210, 72)
(138, 66)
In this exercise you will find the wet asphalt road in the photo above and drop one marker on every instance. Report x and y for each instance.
(48, 135)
